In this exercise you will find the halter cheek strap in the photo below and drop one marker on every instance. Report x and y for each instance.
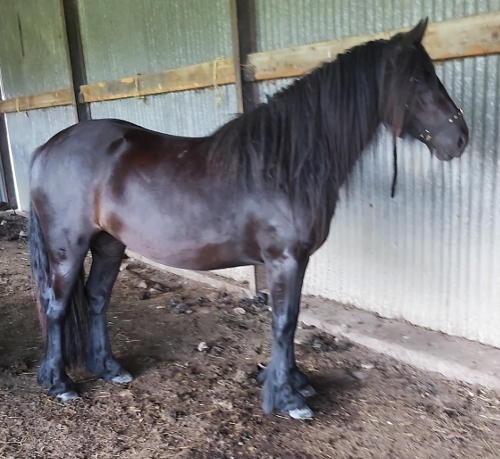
(426, 136)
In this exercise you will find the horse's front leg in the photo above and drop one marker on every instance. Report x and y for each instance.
(285, 386)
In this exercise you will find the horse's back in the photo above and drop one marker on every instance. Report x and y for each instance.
(87, 154)
(98, 140)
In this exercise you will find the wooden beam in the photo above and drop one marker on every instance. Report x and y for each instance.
(465, 37)
(244, 29)
(213, 73)
(43, 100)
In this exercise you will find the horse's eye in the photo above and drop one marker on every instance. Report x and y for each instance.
(414, 80)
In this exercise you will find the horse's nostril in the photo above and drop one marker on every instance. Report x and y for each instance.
(461, 141)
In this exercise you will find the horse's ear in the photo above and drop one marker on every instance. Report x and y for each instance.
(416, 34)
(407, 40)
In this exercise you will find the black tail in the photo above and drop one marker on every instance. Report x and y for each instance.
(76, 321)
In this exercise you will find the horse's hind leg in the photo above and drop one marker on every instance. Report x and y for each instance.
(65, 266)
(107, 254)
(285, 386)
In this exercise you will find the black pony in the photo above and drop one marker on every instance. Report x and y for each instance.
(260, 190)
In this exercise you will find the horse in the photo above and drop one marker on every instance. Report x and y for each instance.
(262, 189)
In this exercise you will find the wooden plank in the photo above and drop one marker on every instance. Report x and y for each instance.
(43, 100)
(213, 73)
(465, 37)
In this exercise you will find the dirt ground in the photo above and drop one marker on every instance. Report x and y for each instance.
(187, 403)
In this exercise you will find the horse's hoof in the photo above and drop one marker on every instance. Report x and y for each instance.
(307, 391)
(68, 396)
(301, 413)
(123, 378)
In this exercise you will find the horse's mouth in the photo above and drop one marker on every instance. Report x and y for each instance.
(443, 155)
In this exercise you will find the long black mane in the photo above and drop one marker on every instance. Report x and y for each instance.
(306, 139)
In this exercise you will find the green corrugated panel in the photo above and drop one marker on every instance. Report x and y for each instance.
(32, 47)
(127, 37)
(284, 23)
(27, 133)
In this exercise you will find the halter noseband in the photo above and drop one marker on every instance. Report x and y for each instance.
(426, 135)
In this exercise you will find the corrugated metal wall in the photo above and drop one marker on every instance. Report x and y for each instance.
(32, 60)
(431, 255)
(149, 36)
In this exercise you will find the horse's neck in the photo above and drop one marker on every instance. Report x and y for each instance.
(344, 142)
(345, 130)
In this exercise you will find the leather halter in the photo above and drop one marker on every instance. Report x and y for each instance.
(426, 135)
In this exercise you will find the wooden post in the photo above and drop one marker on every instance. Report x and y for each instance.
(76, 61)
(236, 56)
(244, 43)
(244, 33)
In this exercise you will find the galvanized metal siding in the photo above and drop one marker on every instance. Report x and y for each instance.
(32, 48)
(431, 255)
(281, 24)
(125, 37)
(32, 60)
(25, 134)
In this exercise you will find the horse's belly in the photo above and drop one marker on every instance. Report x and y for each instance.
(195, 245)
(191, 255)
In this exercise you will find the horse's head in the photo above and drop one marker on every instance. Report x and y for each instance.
(414, 100)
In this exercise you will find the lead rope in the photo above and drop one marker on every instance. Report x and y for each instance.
(394, 166)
